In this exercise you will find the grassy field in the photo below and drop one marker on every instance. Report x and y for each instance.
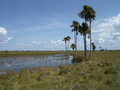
(29, 53)
(101, 72)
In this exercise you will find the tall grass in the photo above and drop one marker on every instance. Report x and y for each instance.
(101, 72)
(29, 53)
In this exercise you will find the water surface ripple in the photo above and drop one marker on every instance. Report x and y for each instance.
(17, 63)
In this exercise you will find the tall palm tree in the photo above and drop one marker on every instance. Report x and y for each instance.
(73, 46)
(65, 40)
(89, 14)
(68, 39)
(75, 29)
(84, 30)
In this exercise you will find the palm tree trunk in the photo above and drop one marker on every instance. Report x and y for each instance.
(76, 40)
(75, 37)
(65, 46)
(85, 43)
(90, 41)
(68, 45)
(85, 48)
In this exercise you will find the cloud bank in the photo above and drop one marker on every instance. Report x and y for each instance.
(105, 34)
(108, 33)
(40, 45)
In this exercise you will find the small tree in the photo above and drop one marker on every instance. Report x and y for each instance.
(93, 47)
(100, 48)
(73, 46)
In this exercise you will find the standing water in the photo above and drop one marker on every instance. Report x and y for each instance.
(17, 63)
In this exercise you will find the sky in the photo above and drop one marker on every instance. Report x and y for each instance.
(42, 24)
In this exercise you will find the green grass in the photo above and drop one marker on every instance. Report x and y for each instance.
(28, 53)
(101, 72)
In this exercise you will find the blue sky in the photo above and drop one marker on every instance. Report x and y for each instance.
(42, 24)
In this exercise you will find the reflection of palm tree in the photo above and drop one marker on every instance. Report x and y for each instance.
(75, 29)
(73, 46)
(84, 30)
(68, 39)
(89, 14)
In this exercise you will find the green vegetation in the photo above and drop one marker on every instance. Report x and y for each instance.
(73, 46)
(29, 53)
(93, 46)
(101, 72)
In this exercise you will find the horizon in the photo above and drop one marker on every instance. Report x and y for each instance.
(55, 50)
(30, 25)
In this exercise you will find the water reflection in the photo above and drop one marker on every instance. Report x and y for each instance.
(19, 62)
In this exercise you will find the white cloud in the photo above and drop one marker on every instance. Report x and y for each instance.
(3, 35)
(3, 31)
(36, 42)
(108, 33)
(54, 45)
(40, 45)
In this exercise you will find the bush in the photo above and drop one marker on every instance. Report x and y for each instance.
(77, 59)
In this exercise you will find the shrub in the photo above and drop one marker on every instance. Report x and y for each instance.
(77, 59)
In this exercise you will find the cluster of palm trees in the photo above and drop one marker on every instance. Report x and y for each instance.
(88, 14)
(67, 41)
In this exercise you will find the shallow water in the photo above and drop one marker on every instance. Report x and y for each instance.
(17, 63)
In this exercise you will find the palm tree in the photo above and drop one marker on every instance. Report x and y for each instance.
(84, 30)
(100, 48)
(93, 46)
(89, 14)
(68, 39)
(73, 46)
(84, 13)
(75, 29)
(92, 43)
(65, 40)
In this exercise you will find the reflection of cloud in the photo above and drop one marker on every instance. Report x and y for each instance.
(108, 33)
(3, 35)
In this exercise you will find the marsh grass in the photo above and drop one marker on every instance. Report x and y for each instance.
(101, 72)
(28, 53)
